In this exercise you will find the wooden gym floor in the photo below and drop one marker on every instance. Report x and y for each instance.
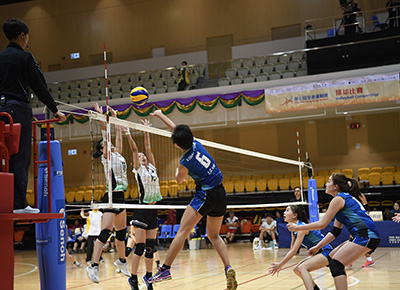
(202, 269)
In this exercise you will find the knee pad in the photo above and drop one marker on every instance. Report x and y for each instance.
(337, 268)
(150, 246)
(104, 235)
(120, 235)
(139, 249)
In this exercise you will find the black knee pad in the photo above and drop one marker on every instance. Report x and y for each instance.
(139, 249)
(337, 268)
(104, 235)
(120, 235)
(150, 245)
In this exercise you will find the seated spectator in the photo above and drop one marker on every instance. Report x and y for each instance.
(171, 218)
(387, 215)
(232, 224)
(268, 230)
(297, 198)
(395, 209)
(80, 238)
(323, 209)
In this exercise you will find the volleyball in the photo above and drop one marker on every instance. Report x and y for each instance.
(139, 96)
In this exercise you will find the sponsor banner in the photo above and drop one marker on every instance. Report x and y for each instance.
(360, 90)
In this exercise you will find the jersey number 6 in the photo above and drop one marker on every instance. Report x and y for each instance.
(204, 160)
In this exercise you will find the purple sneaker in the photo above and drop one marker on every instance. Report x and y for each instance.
(231, 283)
(160, 276)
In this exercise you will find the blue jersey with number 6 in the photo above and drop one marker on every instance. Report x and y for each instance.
(202, 167)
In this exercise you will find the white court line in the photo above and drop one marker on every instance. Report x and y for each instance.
(356, 281)
(34, 269)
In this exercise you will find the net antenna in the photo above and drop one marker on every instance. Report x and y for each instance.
(108, 132)
(246, 167)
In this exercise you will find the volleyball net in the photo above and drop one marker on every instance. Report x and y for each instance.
(251, 179)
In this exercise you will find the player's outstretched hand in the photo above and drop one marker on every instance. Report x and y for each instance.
(98, 109)
(274, 269)
(292, 227)
(156, 113)
(113, 112)
(146, 123)
(60, 116)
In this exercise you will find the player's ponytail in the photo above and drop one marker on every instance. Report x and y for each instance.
(301, 215)
(345, 184)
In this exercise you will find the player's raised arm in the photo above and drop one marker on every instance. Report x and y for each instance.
(167, 121)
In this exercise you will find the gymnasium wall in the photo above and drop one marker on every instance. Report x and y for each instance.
(330, 143)
(131, 28)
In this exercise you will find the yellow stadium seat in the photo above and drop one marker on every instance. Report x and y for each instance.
(363, 173)
(69, 197)
(79, 195)
(98, 194)
(289, 175)
(283, 183)
(320, 180)
(236, 177)
(267, 176)
(397, 168)
(191, 185)
(278, 176)
(127, 194)
(374, 178)
(294, 181)
(172, 182)
(164, 190)
(229, 186)
(397, 177)
(239, 186)
(163, 183)
(389, 169)
(250, 185)
(376, 169)
(247, 177)
(323, 173)
(334, 170)
(83, 188)
(374, 203)
(387, 178)
(173, 190)
(257, 177)
(348, 173)
(388, 203)
(135, 192)
(273, 184)
(261, 184)
(182, 186)
(87, 195)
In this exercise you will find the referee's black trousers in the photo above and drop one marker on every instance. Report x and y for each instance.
(21, 112)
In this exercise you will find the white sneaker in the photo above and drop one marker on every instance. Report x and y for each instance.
(77, 264)
(28, 209)
(93, 273)
(275, 246)
(258, 247)
(123, 267)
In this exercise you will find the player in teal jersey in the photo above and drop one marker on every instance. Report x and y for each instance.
(309, 239)
(347, 210)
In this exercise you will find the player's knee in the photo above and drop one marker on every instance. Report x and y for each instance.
(337, 268)
(296, 270)
(150, 245)
(120, 235)
(104, 235)
(139, 249)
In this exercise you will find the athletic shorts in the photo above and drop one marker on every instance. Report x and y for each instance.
(370, 243)
(211, 202)
(325, 253)
(232, 231)
(145, 218)
(118, 197)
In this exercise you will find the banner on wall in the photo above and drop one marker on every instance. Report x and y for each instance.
(360, 90)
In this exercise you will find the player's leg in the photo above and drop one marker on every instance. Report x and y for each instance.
(140, 236)
(348, 253)
(131, 241)
(369, 261)
(120, 235)
(151, 236)
(304, 268)
(107, 225)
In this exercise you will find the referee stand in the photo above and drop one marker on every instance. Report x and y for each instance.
(9, 144)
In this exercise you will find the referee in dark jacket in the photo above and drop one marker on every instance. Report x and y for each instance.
(19, 71)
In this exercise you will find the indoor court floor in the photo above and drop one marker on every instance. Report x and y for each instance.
(202, 269)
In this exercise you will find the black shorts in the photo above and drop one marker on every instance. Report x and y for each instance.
(211, 202)
(118, 197)
(145, 218)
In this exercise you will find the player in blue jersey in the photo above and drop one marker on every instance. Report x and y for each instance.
(309, 239)
(209, 200)
(347, 210)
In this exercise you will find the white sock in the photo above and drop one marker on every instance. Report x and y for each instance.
(369, 259)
